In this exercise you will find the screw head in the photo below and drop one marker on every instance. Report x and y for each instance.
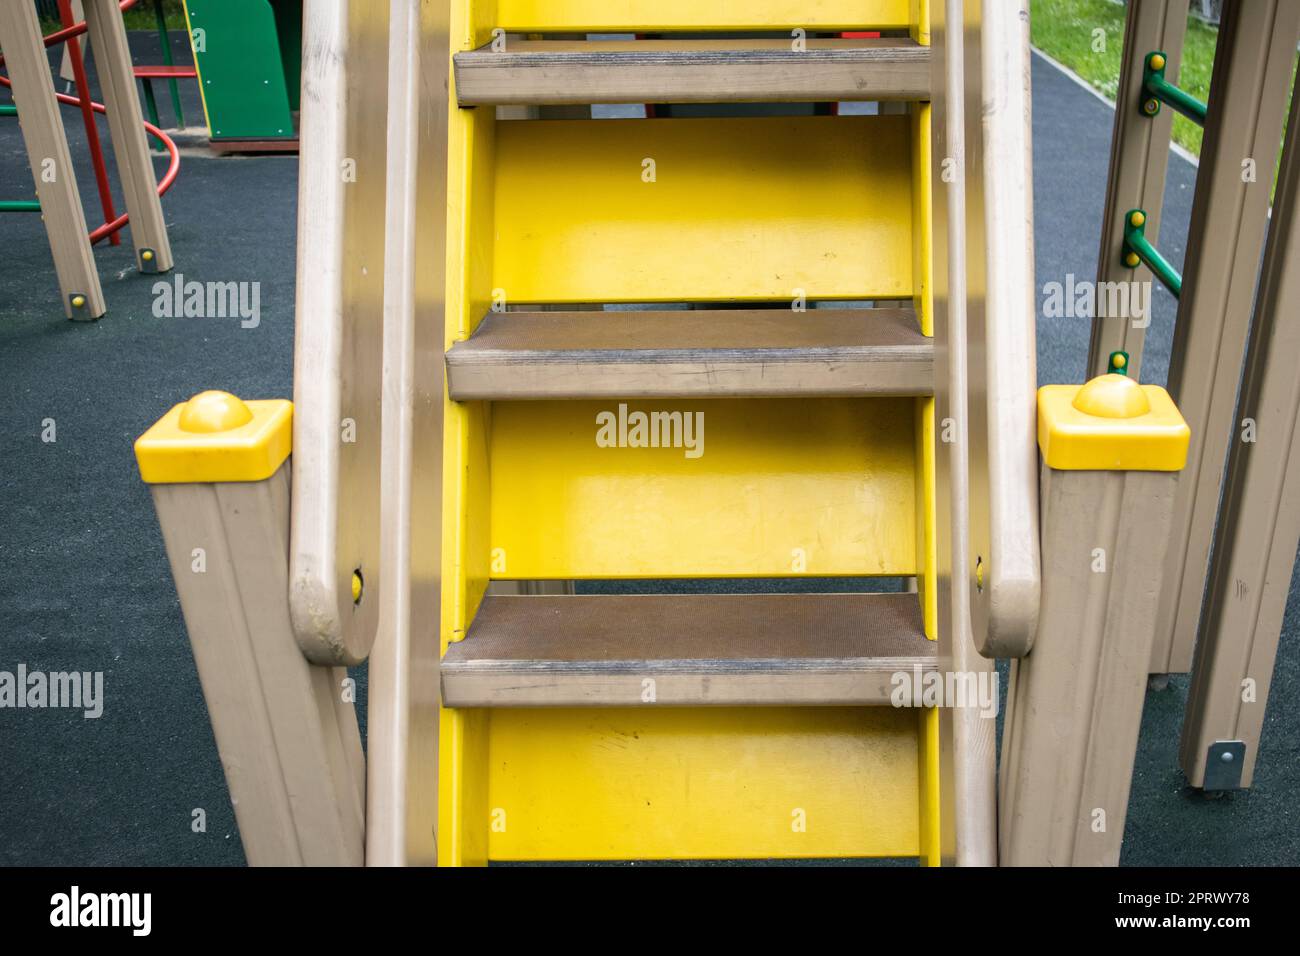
(1119, 361)
(78, 301)
(147, 255)
(1157, 61)
(1152, 107)
(1226, 756)
(1132, 260)
(1137, 220)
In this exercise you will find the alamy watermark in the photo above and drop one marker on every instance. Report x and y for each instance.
(921, 688)
(133, 911)
(75, 690)
(624, 429)
(178, 299)
(1074, 299)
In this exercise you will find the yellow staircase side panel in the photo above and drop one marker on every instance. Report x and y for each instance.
(653, 16)
(462, 737)
(923, 305)
(929, 820)
(919, 15)
(769, 208)
(782, 487)
(922, 217)
(927, 577)
(678, 783)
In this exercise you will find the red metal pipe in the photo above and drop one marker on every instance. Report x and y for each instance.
(88, 119)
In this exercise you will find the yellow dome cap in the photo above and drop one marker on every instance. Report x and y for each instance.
(1112, 396)
(213, 411)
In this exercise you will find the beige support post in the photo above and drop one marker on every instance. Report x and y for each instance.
(1139, 159)
(1248, 100)
(1255, 544)
(967, 747)
(286, 729)
(47, 152)
(1110, 450)
(402, 723)
(66, 73)
(153, 251)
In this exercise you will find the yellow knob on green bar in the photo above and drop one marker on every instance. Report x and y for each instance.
(217, 437)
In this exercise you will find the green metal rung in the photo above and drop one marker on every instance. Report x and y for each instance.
(151, 106)
(1137, 247)
(7, 109)
(19, 205)
(1156, 90)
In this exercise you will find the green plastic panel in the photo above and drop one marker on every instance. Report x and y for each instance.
(249, 66)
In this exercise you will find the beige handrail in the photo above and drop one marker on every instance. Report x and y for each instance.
(1003, 386)
(337, 369)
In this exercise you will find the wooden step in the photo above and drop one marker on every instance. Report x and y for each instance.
(714, 353)
(552, 72)
(686, 650)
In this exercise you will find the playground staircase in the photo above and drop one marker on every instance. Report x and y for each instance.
(751, 398)
(674, 475)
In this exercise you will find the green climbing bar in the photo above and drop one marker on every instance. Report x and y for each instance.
(1139, 251)
(1156, 90)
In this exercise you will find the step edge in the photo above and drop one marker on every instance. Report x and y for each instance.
(766, 667)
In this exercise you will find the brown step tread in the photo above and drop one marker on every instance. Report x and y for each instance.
(713, 353)
(697, 649)
(554, 72)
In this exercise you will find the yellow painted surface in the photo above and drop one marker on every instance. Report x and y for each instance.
(1102, 426)
(929, 820)
(647, 16)
(920, 15)
(216, 437)
(1112, 396)
(923, 303)
(462, 745)
(927, 548)
(627, 783)
(923, 216)
(783, 487)
(739, 209)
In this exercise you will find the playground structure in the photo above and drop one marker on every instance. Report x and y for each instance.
(247, 54)
(464, 439)
(58, 198)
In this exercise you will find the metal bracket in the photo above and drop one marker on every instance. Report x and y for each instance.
(1156, 90)
(1139, 251)
(1223, 765)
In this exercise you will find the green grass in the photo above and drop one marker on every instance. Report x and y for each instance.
(139, 17)
(1064, 30)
